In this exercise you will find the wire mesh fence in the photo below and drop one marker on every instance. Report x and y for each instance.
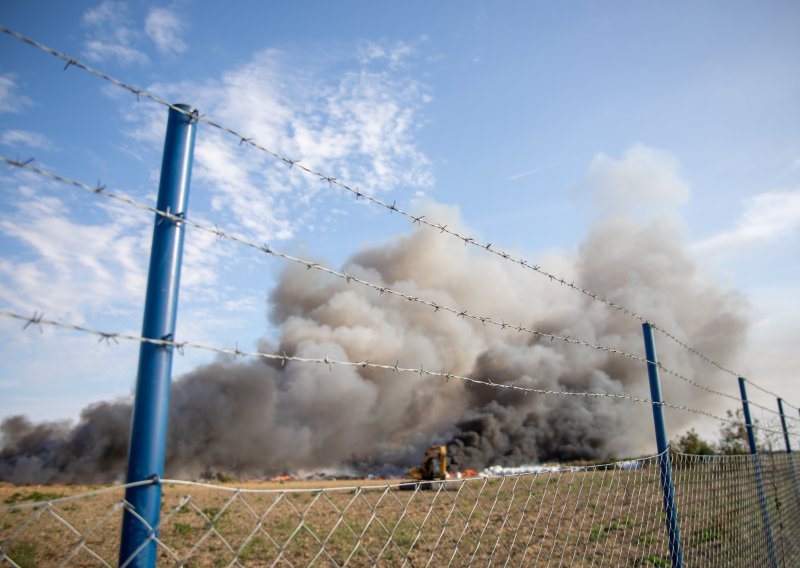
(606, 515)
(720, 514)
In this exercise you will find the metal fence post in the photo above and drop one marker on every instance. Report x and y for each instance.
(151, 406)
(789, 454)
(783, 425)
(670, 510)
(762, 497)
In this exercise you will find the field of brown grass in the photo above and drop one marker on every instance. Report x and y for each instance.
(593, 517)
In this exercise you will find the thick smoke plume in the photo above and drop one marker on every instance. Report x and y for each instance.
(255, 418)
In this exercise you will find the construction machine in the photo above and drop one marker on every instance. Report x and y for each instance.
(434, 465)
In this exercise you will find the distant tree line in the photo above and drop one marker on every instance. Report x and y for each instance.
(732, 440)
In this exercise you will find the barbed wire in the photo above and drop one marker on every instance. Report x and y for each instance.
(99, 189)
(38, 320)
(220, 233)
(738, 399)
(342, 275)
(789, 404)
(179, 218)
(392, 207)
(769, 392)
(770, 410)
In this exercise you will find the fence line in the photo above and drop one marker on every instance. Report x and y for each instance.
(415, 219)
(101, 190)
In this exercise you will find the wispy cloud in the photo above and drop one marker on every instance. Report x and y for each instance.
(360, 126)
(396, 54)
(97, 50)
(70, 267)
(10, 98)
(17, 138)
(111, 36)
(165, 28)
(74, 267)
(81, 261)
(766, 218)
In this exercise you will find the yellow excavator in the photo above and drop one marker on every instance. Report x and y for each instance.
(434, 465)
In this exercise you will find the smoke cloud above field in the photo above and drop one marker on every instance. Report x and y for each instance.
(255, 417)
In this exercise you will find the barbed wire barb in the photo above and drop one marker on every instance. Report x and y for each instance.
(35, 320)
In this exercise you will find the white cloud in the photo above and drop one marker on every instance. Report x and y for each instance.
(76, 267)
(111, 18)
(396, 54)
(110, 35)
(766, 218)
(71, 282)
(101, 51)
(245, 304)
(165, 28)
(10, 99)
(16, 138)
(81, 258)
(643, 177)
(359, 126)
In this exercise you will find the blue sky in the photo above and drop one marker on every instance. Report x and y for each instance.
(533, 119)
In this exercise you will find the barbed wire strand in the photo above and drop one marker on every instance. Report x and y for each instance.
(101, 190)
(789, 404)
(392, 207)
(38, 320)
(769, 392)
(768, 409)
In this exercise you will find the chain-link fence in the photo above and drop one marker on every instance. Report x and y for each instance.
(610, 515)
(720, 515)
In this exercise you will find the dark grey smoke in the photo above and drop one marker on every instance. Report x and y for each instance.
(254, 418)
(93, 450)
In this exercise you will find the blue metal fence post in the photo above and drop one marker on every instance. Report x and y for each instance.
(151, 405)
(762, 496)
(783, 425)
(793, 471)
(670, 510)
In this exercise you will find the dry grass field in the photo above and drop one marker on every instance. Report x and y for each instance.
(592, 517)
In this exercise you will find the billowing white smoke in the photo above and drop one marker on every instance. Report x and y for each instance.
(257, 418)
